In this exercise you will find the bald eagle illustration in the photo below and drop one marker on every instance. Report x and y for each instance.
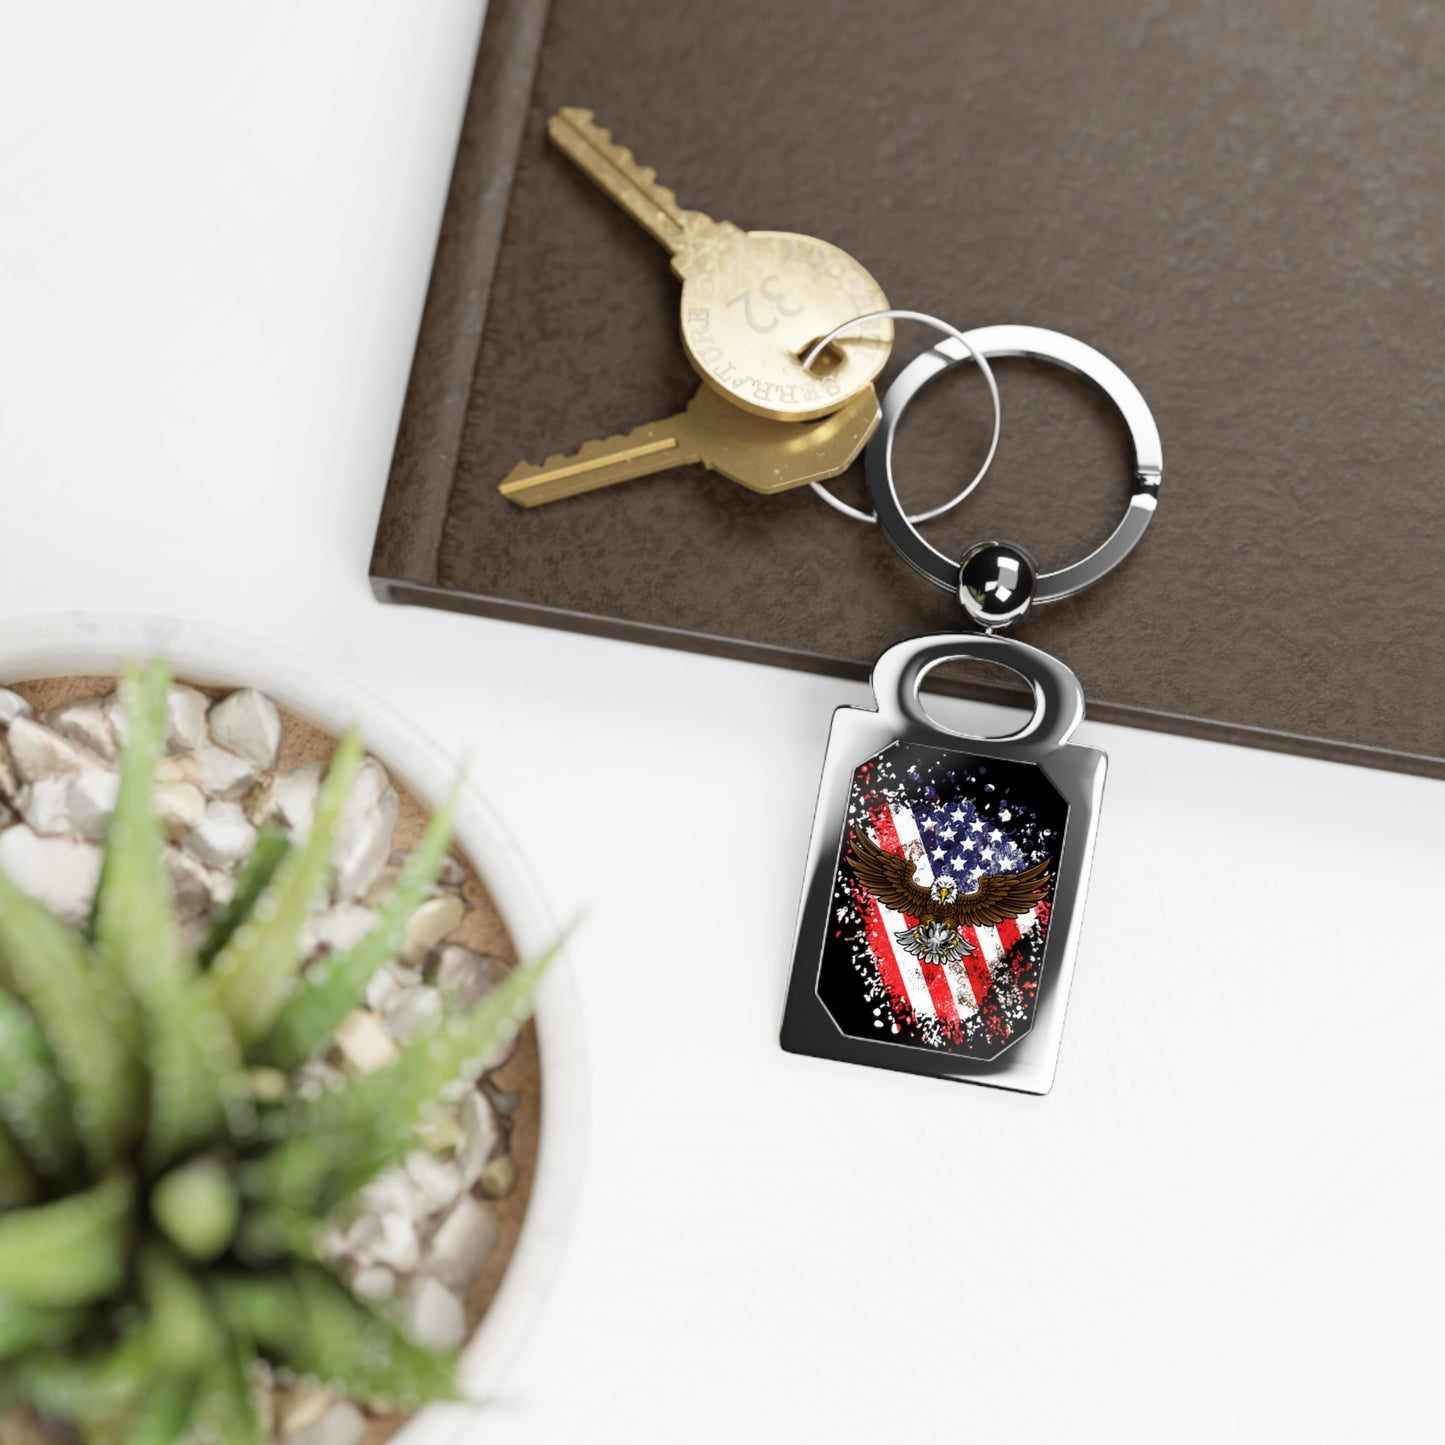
(943, 908)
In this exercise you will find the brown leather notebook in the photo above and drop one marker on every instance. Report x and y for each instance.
(1243, 206)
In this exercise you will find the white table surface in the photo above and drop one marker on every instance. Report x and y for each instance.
(218, 223)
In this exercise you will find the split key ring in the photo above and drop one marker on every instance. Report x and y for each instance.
(962, 350)
(1037, 344)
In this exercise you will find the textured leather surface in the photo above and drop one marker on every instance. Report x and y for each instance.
(1242, 205)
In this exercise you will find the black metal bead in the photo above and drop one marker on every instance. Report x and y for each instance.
(996, 583)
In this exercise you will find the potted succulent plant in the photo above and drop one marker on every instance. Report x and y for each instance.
(214, 1120)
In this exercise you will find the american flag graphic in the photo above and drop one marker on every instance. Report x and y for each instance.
(953, 815)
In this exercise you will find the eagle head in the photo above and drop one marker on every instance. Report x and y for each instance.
(944, 889)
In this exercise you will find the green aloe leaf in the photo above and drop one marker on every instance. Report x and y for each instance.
(18, 1184)
(258, 1306)
(162, 1413)
(191, 1055)
(45, 963)
(183, 1331)
(25, 1327)
(225, 1405)
(331, 989)
(70, 1251)
(256, 969)
(197, 1207)
(87, 1387)
(267, 854)
(273, 1232)
(336, 1144)
(34, 1103)
(360, 1353)
(309, 1320)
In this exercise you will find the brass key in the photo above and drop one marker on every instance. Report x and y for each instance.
(765, 456)
(753, 302)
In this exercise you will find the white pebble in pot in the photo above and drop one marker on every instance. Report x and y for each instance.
(431, 923)
(40, 753)
(248, 724)
(463, 976)
(88, 724)
(342, 1424)
(438, 1182)
(9, 783)
(224, 837)
(337, 928)
(185, 718)
(364, 1043)
(291, 798)
(90, 799)
(61, 873)
(363, 836)
(481, 1135)
(412, 1013)
(461, 1245)
(436, 1318)
(45, 805)
(374, 1282)
(180, 808)
(198, 889)
(12, 706)
(220, 773)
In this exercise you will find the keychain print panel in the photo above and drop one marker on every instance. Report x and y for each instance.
(941, 901)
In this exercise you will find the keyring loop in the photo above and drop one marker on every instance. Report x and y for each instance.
(1036, 344)
(968, 351)
(899, 674)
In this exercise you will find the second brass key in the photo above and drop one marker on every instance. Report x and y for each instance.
(765, 456)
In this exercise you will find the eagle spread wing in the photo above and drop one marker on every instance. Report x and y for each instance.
(888, 877)
(998, 896)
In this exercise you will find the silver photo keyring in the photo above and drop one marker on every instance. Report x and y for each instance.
(1036, 344)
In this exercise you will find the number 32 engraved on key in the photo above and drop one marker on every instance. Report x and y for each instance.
(772, 291)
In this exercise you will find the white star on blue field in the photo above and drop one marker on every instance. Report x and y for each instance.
(968, 825)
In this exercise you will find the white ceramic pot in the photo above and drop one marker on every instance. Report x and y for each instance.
(71, 644)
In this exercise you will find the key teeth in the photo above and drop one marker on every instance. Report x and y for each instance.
(525, 471)
(622, 157)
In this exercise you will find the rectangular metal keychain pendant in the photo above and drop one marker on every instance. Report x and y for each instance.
(945, 883)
